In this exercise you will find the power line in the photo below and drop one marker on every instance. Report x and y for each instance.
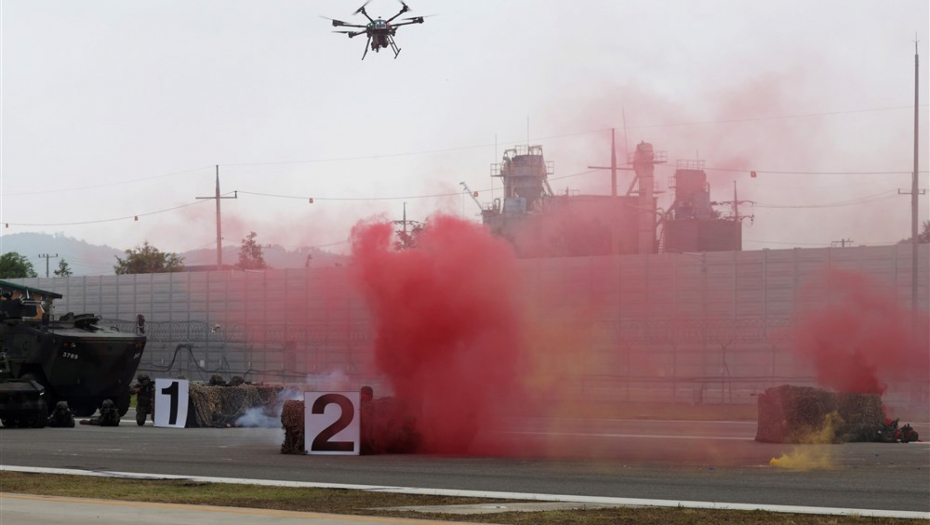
(815, 244)
(774, 117)
(301, 197)
(822, 244)
(114, 219)
(104, 185)
(392, 198)
(860, 200)
(489, 145)
(782, 172)
(412, 153)
(771, 172)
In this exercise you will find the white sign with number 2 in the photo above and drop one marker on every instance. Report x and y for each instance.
(331, 423)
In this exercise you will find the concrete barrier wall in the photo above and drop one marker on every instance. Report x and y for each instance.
(709, 327)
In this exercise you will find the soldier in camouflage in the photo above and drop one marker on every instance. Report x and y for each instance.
(109, 416)
(61, 417)
(145, 398)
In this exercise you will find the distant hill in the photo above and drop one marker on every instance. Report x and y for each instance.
(92, 259)
(83, 258)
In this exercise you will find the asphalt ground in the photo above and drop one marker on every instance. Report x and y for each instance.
(668, 460)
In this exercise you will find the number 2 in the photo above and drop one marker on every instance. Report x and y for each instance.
(322, 443)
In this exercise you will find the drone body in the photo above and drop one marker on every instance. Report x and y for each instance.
(380, 32)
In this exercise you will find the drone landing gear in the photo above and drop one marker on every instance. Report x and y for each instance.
(366, 47)
(393, 45)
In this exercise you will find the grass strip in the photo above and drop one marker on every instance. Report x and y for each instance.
(340, 501)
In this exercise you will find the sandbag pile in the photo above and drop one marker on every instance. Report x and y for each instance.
(386, 427)
(223, 406)
(796, 414)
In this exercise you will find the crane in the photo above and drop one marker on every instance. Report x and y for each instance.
(473, 194)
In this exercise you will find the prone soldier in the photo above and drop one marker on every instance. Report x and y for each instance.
(61, 416)
(109, 416)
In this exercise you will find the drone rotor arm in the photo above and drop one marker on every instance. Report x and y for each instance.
(403, 10)
(361, 10)
(352, 34)
(340, 23)
(415, 20)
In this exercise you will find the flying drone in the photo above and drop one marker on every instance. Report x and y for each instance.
(380, 32)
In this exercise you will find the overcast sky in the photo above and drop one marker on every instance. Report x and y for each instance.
(112, 109)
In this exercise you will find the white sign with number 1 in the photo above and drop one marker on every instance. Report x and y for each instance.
(331, 423)
(171, 400)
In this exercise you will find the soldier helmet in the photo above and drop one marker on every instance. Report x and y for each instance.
(61, 405)
(143, 377)
(107, 403)
(216, 379)
(367, 393)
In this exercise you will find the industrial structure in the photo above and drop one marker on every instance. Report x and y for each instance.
(691, 223)
(542, 223)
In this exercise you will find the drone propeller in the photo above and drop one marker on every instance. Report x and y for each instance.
(360, 9)
(340, 23)
(352, 34)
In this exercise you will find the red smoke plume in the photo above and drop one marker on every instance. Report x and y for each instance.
(447, 322)
(863, 339)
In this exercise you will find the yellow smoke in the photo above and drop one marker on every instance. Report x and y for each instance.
(806, 458)
(812, 458)
(826, 434)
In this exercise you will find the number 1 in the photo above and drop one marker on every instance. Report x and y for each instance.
(173, 392)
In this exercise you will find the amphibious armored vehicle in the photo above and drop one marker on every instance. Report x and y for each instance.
(72, 357)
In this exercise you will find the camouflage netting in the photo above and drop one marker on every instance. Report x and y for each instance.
(386, 428)
(796, 414)
(223, 406)
(292, 418)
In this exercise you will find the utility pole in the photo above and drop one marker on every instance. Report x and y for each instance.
(613, 164)
(737, 218)
(219, 222)
(613, 179)
(915, 189)
(47, 257)
(842, 243)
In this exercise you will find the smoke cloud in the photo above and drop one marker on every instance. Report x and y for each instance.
(447, 323)
(862, 340)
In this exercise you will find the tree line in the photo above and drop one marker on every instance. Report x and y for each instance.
(141, 259)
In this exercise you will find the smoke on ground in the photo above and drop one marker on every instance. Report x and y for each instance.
(447, 322)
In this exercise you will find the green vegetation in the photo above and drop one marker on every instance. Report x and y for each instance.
(15, 266)
(250, 254)
(64, 270)
(148, 259)
(356, 502)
